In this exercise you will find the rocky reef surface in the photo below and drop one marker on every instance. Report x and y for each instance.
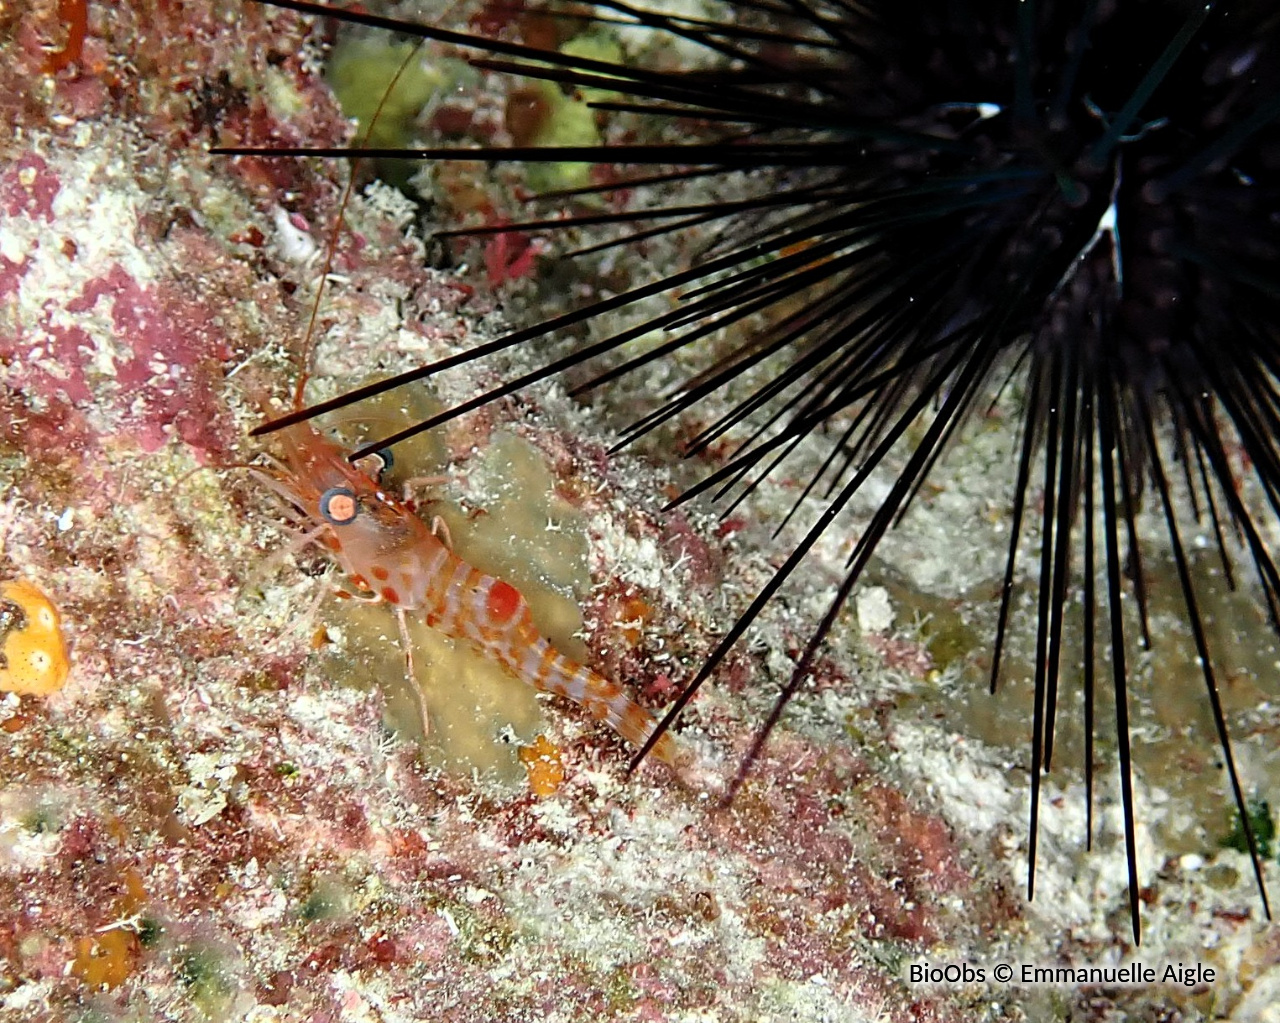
(228, 813)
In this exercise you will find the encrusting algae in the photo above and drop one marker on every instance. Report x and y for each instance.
(541, 759)
(33, 652)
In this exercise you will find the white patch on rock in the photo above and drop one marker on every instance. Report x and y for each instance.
(206, 796)
(294, 244)
(875, 610)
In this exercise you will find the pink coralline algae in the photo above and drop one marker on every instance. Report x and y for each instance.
(158, 383)
(27, 189)
(211, 819)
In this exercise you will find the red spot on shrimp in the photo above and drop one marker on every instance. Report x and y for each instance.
(380, 573)
(360, 582)
(504, 601)
(390, 595)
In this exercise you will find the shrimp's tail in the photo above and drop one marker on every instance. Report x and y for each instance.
(606, 701)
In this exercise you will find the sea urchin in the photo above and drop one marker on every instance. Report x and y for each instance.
(942, 196)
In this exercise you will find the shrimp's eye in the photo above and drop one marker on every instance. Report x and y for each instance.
(339, 505)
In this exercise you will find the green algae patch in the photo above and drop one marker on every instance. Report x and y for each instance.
(209, 978)
(386, 87)
(1261, 823)
(596, 44)
(360, 73)
(569, 122)
(330, 898)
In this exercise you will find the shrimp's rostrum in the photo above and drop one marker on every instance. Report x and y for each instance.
(389, 554)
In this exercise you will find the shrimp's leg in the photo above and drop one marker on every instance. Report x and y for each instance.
(440, 528)
(406, 644)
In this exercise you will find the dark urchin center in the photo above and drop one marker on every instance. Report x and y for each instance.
(1093, 192)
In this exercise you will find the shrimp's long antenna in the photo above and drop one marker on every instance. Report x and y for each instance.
(335, 230)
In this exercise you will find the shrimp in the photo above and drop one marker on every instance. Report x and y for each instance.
(391, 556)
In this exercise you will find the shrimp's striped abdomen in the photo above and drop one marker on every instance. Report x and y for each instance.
(604, 700)
(495, 617)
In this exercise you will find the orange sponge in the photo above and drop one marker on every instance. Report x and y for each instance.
(33, 654)
(542, 760)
